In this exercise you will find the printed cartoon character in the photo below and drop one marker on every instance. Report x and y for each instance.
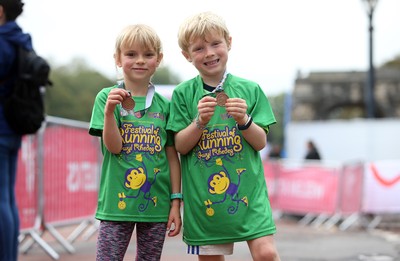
(136, 179)
(220, 183)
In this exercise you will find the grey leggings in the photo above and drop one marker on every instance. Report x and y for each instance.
(114, 237)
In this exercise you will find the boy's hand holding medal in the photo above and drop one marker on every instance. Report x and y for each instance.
(237, 108)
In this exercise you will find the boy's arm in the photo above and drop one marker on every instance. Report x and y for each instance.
(175, 176)
(253, 134)
(186, 139)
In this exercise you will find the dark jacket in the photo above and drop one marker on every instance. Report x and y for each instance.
(10, 36)
(313, 155)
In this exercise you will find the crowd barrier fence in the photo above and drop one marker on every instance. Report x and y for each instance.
(57, 183)
(323, 193)
(58, 172)
(335, 193)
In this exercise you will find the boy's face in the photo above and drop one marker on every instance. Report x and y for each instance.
(137, 62)
(209, 55)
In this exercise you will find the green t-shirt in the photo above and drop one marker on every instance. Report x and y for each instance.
(223, 184)
(135, 184)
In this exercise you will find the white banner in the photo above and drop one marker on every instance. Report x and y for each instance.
(382, 187)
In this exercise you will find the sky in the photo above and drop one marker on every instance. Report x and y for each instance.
(272, 41)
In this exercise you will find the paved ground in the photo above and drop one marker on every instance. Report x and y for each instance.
(294, 242)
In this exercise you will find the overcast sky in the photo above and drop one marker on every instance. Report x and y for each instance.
(271, 40)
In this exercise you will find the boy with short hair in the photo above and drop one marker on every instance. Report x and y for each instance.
(221, 123)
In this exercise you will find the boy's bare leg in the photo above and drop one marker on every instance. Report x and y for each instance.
(263, 249)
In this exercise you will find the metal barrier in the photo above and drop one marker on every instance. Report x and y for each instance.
(322, 193)
(57, 182)
(59, 167)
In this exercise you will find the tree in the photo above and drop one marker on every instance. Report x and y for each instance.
(75, 86)
(276, 135)
(163, 75)
(395, 63)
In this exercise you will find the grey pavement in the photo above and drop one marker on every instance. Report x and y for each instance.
(294, 242)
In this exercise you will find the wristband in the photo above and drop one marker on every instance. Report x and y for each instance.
(198, 125)
(246, 125)
(176, 195)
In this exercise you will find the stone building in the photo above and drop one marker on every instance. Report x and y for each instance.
(340, 95)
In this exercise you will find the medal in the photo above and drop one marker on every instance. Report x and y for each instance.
(128, 103)
(221, 98)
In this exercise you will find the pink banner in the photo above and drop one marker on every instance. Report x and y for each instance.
(26, 186)
(307, 189)
(351, 188)
(271, 173)
(70, 173)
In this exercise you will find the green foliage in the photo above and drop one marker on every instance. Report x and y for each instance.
(76, 85)
(395, 63)
(164, 75)
(73, 92)
(276, 132)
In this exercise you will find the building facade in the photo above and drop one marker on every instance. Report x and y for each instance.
(341, 95)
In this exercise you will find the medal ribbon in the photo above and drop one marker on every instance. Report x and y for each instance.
(220, 86)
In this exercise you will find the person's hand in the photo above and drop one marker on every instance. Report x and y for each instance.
(237, 108)
(174, 221)
(206, 108)
(115, 97)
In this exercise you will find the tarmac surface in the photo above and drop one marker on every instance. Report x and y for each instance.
(295, 242)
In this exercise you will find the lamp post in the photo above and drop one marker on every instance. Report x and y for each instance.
(369, 92)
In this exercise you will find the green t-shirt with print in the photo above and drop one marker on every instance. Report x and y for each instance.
(223, 183)
(135, 184)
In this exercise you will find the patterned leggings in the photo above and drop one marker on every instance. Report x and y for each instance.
(113, 240)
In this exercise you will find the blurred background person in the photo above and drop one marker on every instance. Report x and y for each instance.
(275, 152)
(312, 151)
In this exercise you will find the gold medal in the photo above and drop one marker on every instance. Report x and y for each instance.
(221, 99)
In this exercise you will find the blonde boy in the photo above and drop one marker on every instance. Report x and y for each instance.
(221, 123)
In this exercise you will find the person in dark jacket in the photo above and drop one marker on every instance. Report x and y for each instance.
(312, 151)
(11, 36)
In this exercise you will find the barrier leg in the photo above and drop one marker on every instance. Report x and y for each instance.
(78, 231)
(35, 237)
(29, 242)
(93, 229)
(349, 221)
(60, 239)
(374, 222)
(332, 221)
(321, 218)
(21, 237)
(307, 219)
